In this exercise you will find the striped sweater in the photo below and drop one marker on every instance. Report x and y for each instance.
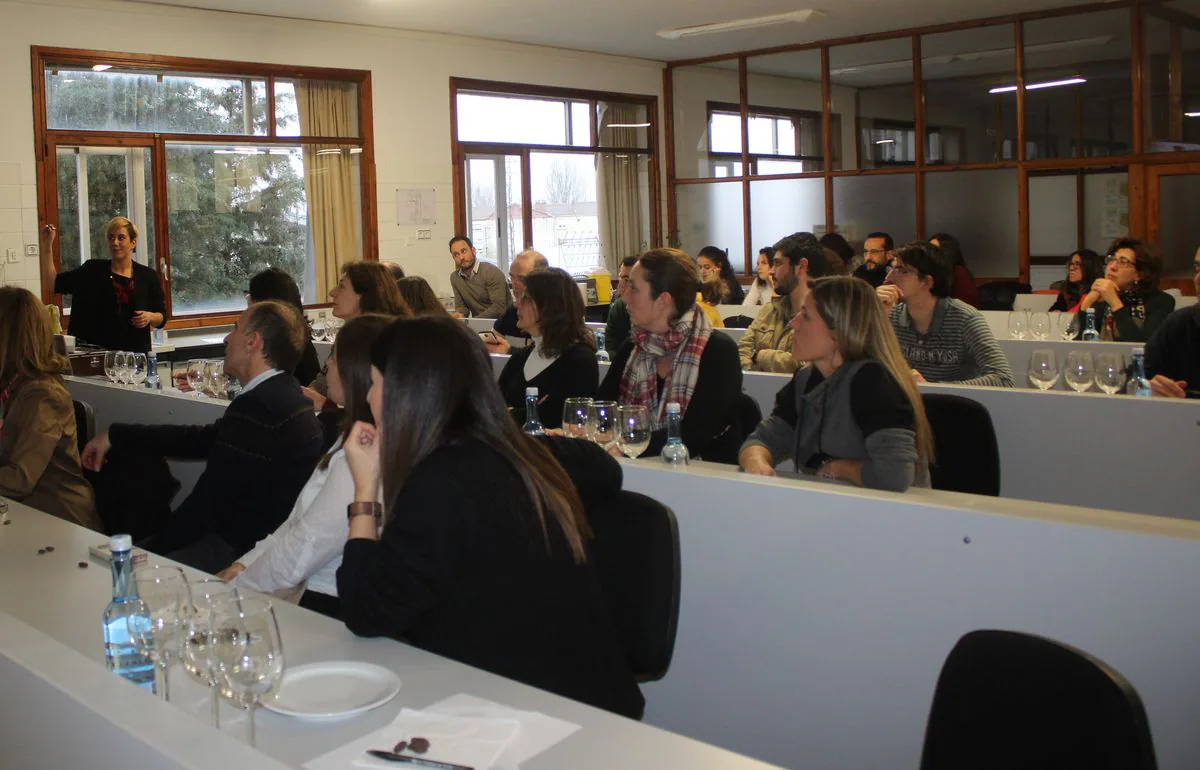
(957, 349)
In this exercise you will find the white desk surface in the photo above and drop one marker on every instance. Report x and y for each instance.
(53, 595)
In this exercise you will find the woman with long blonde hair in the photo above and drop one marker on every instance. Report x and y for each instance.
(854, 414)
(39, 450)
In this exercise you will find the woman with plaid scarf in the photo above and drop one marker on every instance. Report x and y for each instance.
(673, 355)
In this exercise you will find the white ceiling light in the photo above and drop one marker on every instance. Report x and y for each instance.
(885, 141)
(992, 53)
(101, 67)
(627, 125)
(678, 33)
(1191, 114)
(1036, 86)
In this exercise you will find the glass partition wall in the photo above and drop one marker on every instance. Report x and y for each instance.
(1021, 135)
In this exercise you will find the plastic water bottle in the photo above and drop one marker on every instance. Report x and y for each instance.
(533, 425)
(1139, 385)
(152, 380)
(601, 352)
(675, 452)
(120, 653)
(1090, 333)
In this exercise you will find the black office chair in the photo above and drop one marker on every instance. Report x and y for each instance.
(635, 552)
(749, 414)
(738, 322)
(1011, 700)
(967, 457)
(1001, 295)
(85, 423)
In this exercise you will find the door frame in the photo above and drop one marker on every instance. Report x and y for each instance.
(1153, 193)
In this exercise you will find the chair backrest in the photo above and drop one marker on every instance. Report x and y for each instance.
(85, 423)
(1000, 295)
(738, 322)
(749, 414)
(964, 444)
(635, 552)
(1011, 700)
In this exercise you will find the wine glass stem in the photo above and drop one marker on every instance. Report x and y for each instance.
(250, 737)
(165, 685)
(216, 705)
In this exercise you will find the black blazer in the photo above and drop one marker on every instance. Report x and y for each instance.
(575, 374)
(260, 455)
(464, 570)
(94, 316)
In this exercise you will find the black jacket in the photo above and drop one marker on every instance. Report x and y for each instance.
(260, 455)
(1174, 350)
(575, 374)
(710, 426)
(463, 569)
(94, 314)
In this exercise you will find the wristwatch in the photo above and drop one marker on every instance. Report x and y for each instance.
(364, 509)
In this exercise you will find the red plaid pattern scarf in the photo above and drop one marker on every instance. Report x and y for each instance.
(686, 338)
(124, 292)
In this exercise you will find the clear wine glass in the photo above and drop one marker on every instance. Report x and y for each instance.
(122, 367)
(1068, 325)
(575, 417)
(249, 652)
(214, 378)
(110, 366)
(332, 328)
(602, 423)
(633, 433)
(195, 376)
(1080, 371)
(163, 598)
(1043, 369)
(1039, 326)
(1110, 372)
(137, 368)
(198, 652)
(1018, 324)
(316, 330)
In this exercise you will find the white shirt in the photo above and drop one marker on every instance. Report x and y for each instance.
(308, 546)
(537, 363)
(759, 294)
(254, 383)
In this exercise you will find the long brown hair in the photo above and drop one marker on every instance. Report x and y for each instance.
(560, 310)
(419, 296)
(855, 316)
(376, 288)
(438, 388)
(353, 353)
(26, 342)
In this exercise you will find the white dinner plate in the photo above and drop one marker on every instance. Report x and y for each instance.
(335, 688)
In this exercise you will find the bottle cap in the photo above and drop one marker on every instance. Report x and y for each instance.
(118, 543)
(530, 391)
(673, 407)
(1139, 351)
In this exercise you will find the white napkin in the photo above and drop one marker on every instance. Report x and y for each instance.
(538, 731)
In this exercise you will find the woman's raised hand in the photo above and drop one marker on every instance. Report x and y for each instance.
(362, 455)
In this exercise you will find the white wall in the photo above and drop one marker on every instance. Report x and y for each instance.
(410, 87)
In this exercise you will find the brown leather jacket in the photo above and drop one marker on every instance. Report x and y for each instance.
(39, 456)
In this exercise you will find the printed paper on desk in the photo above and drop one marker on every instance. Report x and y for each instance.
(538, 731)
(470, 741)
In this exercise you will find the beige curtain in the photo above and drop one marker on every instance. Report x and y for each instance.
(328, 109)
(618, 196)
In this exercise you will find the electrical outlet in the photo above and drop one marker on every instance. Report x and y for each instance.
(12, 256)
(31, 250)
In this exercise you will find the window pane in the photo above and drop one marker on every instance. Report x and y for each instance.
(1178, 226)
(1172, 124)
(233, 211)
(875, 79)
(117, 100)
(701, 92)
(494, 207)
(1093, 48)
(710, 215)
(866, 204)
(316, 108)
(784, 94)
(495, 118)
(965, 121)
(581, 124)
(623, 125)
(780, 207)
(565, 224)
(980, 209)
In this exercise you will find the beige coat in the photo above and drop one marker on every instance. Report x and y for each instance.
(39, 457)
(771, 336)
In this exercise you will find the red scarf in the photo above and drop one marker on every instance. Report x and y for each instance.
(124, 293)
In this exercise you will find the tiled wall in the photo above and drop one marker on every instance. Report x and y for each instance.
(18, 225)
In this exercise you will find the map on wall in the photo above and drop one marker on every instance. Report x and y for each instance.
(1115, 222)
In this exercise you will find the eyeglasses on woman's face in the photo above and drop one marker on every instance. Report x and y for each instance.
(1120, 262)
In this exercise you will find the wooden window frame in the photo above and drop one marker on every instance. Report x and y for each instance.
(47, 139)
(794, 116)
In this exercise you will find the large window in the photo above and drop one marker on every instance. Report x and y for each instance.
(569, 173)
(780, 141)
(225, 168)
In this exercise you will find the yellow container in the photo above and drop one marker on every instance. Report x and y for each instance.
(603, 283)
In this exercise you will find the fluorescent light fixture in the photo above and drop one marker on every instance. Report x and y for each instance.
(1191, 114)
(970, 56)
(356, 151)
(886, 141)
(628, 125)
(101, 67)
(244, 151)
(737, 24)
(329, 152)
(1036, 86)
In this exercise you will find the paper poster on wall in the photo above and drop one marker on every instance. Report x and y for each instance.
(416, 207)
(1115, 222)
